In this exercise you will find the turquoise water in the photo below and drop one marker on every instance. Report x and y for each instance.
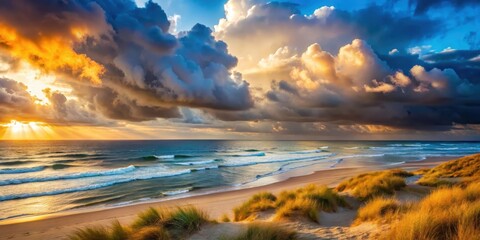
(40, 177)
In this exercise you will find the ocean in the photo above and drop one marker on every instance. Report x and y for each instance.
(42, 177)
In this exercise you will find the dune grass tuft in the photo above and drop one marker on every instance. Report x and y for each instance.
(91, 233)
(467, 167)
(258, 202)
(308, 201)
(150, 224)
(185, 220)
(225, 218)
(303, 207)
(118, 232)
(433, 181)
(369, 185)
(151, 233)
(378, 209)
(256, 231)
(150, 217)
(447, 213)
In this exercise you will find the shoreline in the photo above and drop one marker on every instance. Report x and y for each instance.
(59, 225)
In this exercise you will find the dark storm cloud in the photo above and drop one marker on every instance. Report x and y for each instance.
(145, 72)
(466, 63)
(422, 6)
(385, 30)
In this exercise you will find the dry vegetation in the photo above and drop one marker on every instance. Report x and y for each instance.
(369, 185)
(258, 202)
(447, 213)
(380, 210)
(306, 201)
(452, 211)
(467, 168)
(151, 224)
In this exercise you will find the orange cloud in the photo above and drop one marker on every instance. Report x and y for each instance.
(51, 54)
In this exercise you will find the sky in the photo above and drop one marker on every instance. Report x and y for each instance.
(240, 69)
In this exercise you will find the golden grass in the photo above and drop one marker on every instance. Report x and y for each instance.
(264, 231)
(378, 209)
(302, 207)
(447, 213)
(369, 185)
(151, 224)
(465, 167)
(307, 202)
(258, 202)
(151, 233)
(224, 218)
(433, 181)
(91, 233)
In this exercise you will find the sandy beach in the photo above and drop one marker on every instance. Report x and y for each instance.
(58, 226)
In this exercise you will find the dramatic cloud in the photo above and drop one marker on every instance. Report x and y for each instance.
(254, 29)
(357, 87)
(14, 99)
(268, 67)
(136, 69)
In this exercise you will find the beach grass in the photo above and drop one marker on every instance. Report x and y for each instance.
(225, 218)
(306, 201)
(150, 224)
(185, 220)
(447, 213)
(118, 232)
(466, 168)
(258, 202)
(368, 185)
(150, 217)
(379, 209)
(91, 233)
(264, 231)
(151, 233)
(298, 207)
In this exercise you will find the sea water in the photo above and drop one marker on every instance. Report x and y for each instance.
(41, 177)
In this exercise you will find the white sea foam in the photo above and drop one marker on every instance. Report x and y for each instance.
(447, 148)
(109, 172)
(21, 170)
(195, 163)
(176, 192)
(255, 154)
(165, 156)
(396, 163)
(93, 186)
(307, 151)
(248, 163)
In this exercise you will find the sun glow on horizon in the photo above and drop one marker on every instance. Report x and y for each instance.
(32, 130)
(25, 130)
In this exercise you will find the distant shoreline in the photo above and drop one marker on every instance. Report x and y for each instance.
(58, 225)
